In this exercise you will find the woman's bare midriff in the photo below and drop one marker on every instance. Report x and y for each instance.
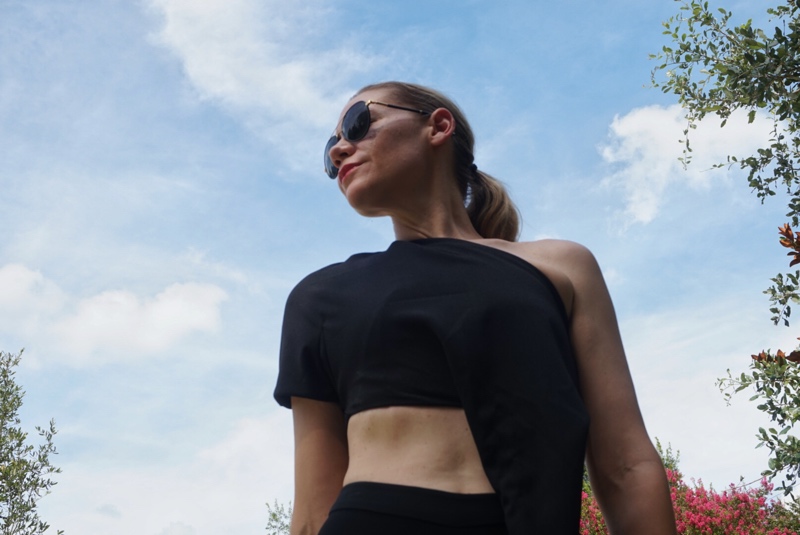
(428, 447)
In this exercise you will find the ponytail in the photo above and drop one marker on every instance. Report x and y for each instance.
(490, 208)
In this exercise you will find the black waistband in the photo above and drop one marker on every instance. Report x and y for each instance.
(440, 507)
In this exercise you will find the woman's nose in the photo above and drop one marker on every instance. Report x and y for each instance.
(340, 150)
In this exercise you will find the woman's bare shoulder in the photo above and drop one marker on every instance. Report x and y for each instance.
(570, 266)
(572, 259)
(557, 250)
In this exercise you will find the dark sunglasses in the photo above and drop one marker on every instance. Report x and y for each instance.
(355, 126)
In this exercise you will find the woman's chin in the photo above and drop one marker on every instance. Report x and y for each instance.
(359, 199)
(368, 211)
(365, 208)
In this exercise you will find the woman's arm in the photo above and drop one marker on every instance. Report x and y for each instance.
(320, 461)
(625, 470)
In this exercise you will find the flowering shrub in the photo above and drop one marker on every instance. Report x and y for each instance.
(592, 522)
(704, 511)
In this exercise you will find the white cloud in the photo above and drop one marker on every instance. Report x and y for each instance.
(27, 299)
(107, 325)
(120, 321)
(256, 454)
(223, 488)
(109, 510)
(219, 269)
(178, 528)
(644, 147)
(262, 54)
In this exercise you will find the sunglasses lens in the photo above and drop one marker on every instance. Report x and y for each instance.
(330, 169)
(355, 126)
(356, 122)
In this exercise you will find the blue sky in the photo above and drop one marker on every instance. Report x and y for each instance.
(162, 191)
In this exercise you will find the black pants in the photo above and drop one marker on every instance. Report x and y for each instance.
(366, 508)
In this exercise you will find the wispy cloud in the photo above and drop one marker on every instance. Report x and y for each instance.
(644, 148)
(112, 324)
(266, 55)
(27, 299)
(119, 321)
(178, 528)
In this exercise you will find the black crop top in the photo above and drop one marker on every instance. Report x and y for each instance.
(448, 322)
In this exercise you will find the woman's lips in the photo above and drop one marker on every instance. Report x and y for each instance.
(345, 170)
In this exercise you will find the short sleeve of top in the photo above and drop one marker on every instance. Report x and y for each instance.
(304, 369)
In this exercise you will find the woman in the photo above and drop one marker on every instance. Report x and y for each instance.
(455, 382)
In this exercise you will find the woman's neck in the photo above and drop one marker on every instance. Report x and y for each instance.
(438, 223)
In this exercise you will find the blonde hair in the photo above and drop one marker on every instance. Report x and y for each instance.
(490, 208)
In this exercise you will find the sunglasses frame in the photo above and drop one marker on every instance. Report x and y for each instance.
(331, 170)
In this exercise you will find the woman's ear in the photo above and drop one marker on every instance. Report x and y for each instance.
(443, 126)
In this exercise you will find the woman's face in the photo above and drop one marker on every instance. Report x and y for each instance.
(380, 170)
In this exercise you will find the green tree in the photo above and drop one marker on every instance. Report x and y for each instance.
(716, 67)
(25, 469)
(279, 518)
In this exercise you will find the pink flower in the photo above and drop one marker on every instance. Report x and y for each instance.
(738, 510)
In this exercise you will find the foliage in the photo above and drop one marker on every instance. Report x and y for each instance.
(738, 510)
(716, 67)
(25, 469)
(669, 458)
(279, 518)
(776, 381)
(784, 288)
